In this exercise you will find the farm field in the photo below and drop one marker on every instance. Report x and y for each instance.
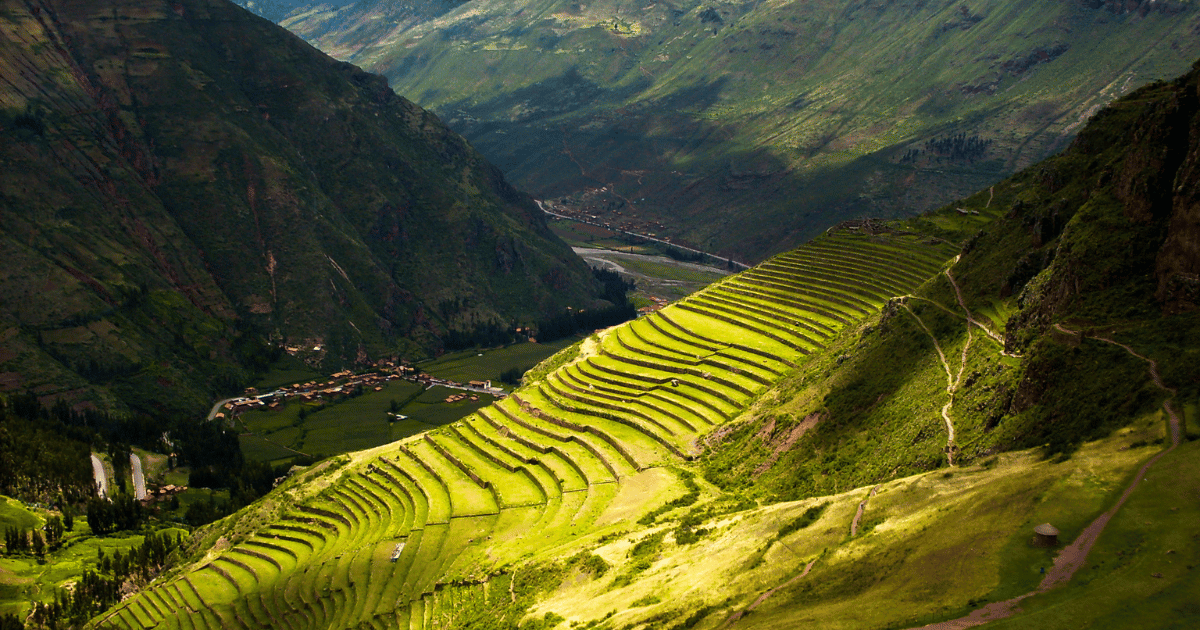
(350, 424)
(604, 433)
(489, 363)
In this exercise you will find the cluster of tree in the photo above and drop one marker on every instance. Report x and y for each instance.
(143, 561)
(483, 335)
(96, 592)
(513, 375)
(41, 457)
(957, 147)
(93, 594)
(615, 289)
(11, 622)
(121, 513)
(571, 322)
(685, 255)
(21, 540)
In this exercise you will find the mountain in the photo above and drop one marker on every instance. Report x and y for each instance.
(863, 432)
(746, 128)
(186, 186)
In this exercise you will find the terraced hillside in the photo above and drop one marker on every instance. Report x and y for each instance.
(416, 533)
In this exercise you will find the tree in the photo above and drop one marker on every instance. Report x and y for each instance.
(39, 543)
(54, 531)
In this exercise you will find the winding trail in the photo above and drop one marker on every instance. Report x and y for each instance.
(1074, 556)
(962, 304)
(951, 387)
(862, 507)
(762, 598)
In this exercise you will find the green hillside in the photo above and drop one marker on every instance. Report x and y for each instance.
(187, 188)
(861, 433)
(746, 128)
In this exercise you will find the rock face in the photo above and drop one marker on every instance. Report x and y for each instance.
(183, 179)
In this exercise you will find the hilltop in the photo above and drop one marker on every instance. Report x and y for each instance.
(746, 128)
(188, 190)
(861, 432)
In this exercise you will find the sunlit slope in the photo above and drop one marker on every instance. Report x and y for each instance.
(375, 537)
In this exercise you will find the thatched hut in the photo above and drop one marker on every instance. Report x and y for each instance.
(1045, 535)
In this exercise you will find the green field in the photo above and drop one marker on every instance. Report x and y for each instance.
(668, 271)
(26, 578)
(488, 364)
(350, 424)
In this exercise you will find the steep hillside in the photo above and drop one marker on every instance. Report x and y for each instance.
(859, 433)
(748, 127)
(183, 180)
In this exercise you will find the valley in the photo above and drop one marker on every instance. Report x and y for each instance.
(717, 119)
(854, 315)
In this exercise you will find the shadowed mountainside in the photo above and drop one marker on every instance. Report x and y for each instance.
(720, 119)
(182, 180)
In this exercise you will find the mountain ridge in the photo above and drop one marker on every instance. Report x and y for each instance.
(719, 118)
(193, 151)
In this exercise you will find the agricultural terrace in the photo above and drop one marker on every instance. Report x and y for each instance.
(393, 536)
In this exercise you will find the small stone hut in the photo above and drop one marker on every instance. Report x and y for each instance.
(1045, 535)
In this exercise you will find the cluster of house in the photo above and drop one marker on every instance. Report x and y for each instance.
(160, 493)
(656, 303)
(346, 383)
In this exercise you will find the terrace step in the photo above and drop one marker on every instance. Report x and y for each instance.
(468, 496)
(683, 390)
(627, 411)
(585, 467)
(534, 420)
(685, 415)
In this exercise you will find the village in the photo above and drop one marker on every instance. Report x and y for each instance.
(346, 383)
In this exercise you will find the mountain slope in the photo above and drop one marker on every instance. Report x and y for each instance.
(720, 119)
(817, 393)
(176, 173)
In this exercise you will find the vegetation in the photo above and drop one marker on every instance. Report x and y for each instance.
(251, 224)
(733, 127)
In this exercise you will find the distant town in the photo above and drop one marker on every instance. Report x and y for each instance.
(346, 383)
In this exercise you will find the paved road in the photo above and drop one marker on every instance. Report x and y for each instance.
(212, 413)
(611, 228)
(139, 480)
(99, 476)
(606, 254)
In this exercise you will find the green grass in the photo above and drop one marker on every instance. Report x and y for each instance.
(287, 371)
(668, 271)
(490, 363)
(353, 423)
(14, 514)
(1144, 571)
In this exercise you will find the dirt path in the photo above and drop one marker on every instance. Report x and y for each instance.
(962, 304)
(951, 384)
(1074, 556)
(762, 598)
(862, 507)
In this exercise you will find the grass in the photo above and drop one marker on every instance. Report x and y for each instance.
(350, 424)
(490, 363)
(1144, 572)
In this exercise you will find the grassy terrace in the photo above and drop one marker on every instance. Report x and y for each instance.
(405, 534)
